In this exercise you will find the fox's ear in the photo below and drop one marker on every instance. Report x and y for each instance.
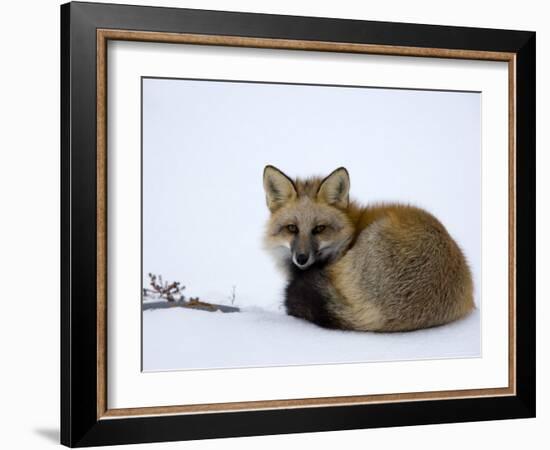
(279, 189)
(334, 189)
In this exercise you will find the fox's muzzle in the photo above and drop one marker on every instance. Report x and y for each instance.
(303, 255)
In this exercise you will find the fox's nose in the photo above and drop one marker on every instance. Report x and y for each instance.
(302, 258)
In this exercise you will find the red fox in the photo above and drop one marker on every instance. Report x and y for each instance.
(387, 267)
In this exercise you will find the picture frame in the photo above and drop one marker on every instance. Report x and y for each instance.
(86, 418)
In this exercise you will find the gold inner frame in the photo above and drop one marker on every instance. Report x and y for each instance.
(103, 36)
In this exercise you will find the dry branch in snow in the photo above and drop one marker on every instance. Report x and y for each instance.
(169, 291)
(162, 290)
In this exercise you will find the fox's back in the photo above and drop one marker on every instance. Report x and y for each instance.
(403, 271)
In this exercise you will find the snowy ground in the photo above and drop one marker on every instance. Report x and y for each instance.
(180, 338)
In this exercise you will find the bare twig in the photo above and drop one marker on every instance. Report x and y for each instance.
(233, 294)
(171, 292)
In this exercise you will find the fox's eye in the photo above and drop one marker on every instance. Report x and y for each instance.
(292, 228)
(318, 229)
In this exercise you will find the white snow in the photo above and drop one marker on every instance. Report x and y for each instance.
(178, 338)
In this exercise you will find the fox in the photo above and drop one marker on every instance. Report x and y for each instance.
(385, 267)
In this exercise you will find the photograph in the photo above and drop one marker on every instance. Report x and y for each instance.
(302, 224)
(275, 223)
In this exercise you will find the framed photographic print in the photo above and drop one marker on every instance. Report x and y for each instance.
(278, 224)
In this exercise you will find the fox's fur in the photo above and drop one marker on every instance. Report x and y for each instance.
(388, 267)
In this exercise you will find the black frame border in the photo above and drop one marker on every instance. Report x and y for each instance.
(79, 423)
